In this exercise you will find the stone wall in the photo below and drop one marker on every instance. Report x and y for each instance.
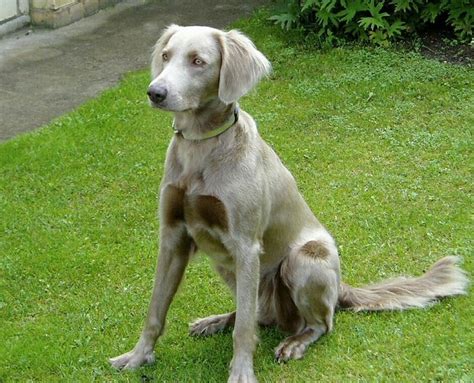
(14, 14)
(57, 13)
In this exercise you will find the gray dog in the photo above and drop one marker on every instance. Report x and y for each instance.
(225, 191)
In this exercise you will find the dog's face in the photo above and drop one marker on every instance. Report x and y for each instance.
(186, 67)
(193, 65)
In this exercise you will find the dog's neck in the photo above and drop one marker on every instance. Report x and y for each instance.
(210, 120)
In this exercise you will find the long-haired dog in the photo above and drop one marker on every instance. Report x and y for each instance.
(226, 192)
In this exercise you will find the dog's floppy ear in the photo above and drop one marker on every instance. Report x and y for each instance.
(242, 66)
(156, 60)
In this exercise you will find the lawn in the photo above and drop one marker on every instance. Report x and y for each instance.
(380, 143)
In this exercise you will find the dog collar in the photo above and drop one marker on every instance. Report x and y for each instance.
(212, 133)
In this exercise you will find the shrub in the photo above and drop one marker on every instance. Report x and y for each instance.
(376, 21)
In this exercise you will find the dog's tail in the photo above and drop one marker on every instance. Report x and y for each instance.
(445, 278)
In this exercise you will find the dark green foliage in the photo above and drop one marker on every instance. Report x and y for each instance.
(376, 21)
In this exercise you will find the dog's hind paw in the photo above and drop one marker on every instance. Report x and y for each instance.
(290, 349)
(211, 325)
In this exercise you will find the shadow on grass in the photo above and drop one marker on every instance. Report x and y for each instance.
(203, 359)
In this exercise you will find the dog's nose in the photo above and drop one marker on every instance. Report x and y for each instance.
(157, 93)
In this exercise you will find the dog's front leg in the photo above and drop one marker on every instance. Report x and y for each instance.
(247, 277)
(175, 249)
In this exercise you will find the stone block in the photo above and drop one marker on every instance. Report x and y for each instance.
(63, 3)
(8, 9)
(13, 25)
(42, 17)
(90, 7)
(107, 3)
(42, 4)
(24, 6)
(55, 16)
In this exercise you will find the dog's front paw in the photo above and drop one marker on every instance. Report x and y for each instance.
(245, 376)
(132, 359)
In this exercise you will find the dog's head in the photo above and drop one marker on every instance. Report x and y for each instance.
(193, 65)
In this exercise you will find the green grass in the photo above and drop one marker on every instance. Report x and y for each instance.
(380, 143)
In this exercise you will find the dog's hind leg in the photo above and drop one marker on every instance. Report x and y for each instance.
(311, 273)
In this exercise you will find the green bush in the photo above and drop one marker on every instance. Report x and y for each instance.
(376, 21)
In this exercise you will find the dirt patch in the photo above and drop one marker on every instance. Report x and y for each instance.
(443, 46)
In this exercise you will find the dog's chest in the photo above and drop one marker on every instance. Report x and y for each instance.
(205, 217)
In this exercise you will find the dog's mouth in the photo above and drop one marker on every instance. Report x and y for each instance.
(158, 105)
(162, 105)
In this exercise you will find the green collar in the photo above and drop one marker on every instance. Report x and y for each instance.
(212, 133)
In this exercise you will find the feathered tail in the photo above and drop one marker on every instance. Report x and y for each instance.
(443, 279)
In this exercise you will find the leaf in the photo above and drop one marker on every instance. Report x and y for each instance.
(380, 38)
(308, 4)
(349, 11)
(375, 9)
(370, 23)
(325, 16)
(402, 5)
(431, 12)
(396, 28)
(285, 20)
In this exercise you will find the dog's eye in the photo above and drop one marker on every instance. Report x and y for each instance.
(197, 61)
(164, 56)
